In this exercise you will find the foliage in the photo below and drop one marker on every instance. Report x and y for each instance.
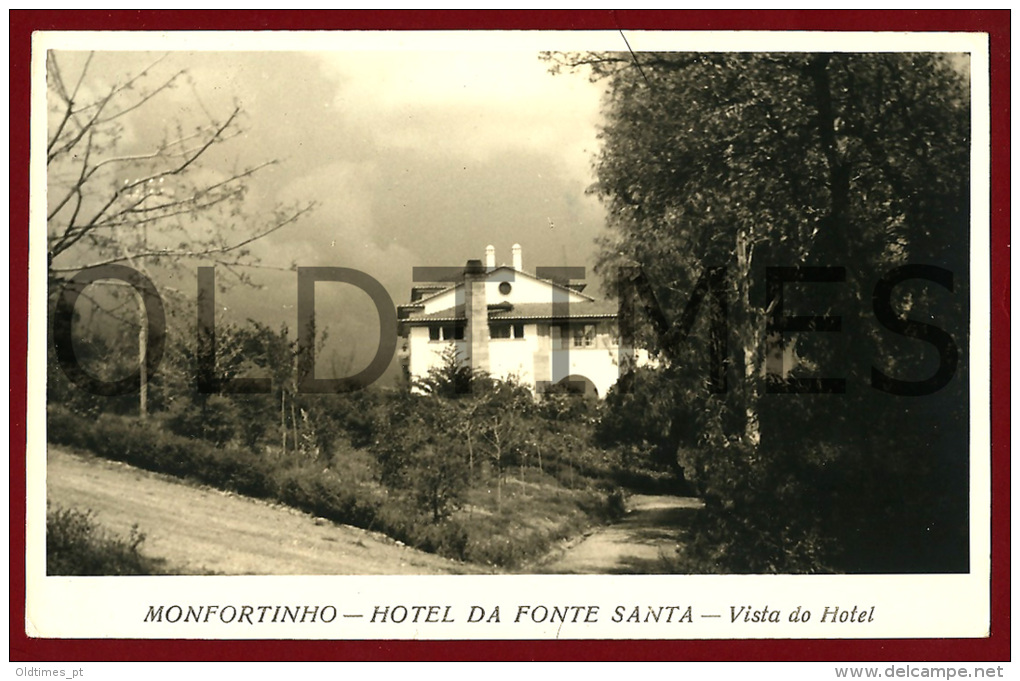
(419, 456)
(435, 441)
(560, 403)
(99, 355)
(492, 475)
(356, 415)
(77, 545)
(151, 447)
(502, 417)
(649, 415)
(749, 161)
(452, 377)
(212, 418)
(280, 418)
(410, 497)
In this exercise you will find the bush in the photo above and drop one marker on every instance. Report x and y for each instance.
(305, 486)
(77, 545)
(559, 403)
(212, 418)
(645, 410)
(412, 484)
(322, 493)
(146, 446)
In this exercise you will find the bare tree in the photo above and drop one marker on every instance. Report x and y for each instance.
(141, 201)
(118, 193)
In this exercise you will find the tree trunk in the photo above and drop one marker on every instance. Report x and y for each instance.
(143, 359)
(522, 475)
(749, 331)
(833, 245)
(833, 239)
(283, 422)
(499, 485)
(293, 420)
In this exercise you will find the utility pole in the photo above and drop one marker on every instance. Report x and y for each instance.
(143, 360)
(143, 350)
(141, 194)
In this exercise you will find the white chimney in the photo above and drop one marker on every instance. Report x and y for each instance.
(517, 258)
(490, 257)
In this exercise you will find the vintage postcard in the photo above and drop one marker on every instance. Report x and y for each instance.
(509, 335)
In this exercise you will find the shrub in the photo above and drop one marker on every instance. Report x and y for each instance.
(77, 545)
(145, 445)
(324, 494)
(308, 487)
(212, 418)
(616, 504)
(647, 411)
(560, 403)
(410, 490)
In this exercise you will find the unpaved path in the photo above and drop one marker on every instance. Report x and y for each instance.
(638, 544)
(200, 530)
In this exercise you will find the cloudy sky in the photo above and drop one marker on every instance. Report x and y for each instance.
(411, 157)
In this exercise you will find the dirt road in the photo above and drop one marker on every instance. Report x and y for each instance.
(635, 545)
(201, 531)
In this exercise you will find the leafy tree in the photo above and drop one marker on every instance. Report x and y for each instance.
(440, 479)
(502, 416)
(98, 355)
(457, 417)
(648, 414)
(421, 454)
(469, 391)
(750, 161)
(279, 419)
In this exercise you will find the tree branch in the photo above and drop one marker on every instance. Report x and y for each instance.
(198, 253)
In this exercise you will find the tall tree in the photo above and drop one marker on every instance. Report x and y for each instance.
(856, 164)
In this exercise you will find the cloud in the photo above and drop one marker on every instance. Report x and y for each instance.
(474, 103)
(412, 157)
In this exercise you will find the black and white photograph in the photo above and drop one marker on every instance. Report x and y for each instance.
(629, 308)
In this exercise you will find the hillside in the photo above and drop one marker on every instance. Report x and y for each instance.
(200, 530)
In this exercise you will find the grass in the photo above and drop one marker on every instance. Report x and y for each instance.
(529, 518)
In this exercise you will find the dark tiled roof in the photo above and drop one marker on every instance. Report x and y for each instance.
(598, 308)
(448, 315)
(605, 309)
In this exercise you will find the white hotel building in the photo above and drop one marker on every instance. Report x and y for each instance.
(510, 323)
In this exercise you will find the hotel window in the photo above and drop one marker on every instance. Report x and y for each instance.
(499, 331)
(453, 332)
(584, 335)
(506, 331)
